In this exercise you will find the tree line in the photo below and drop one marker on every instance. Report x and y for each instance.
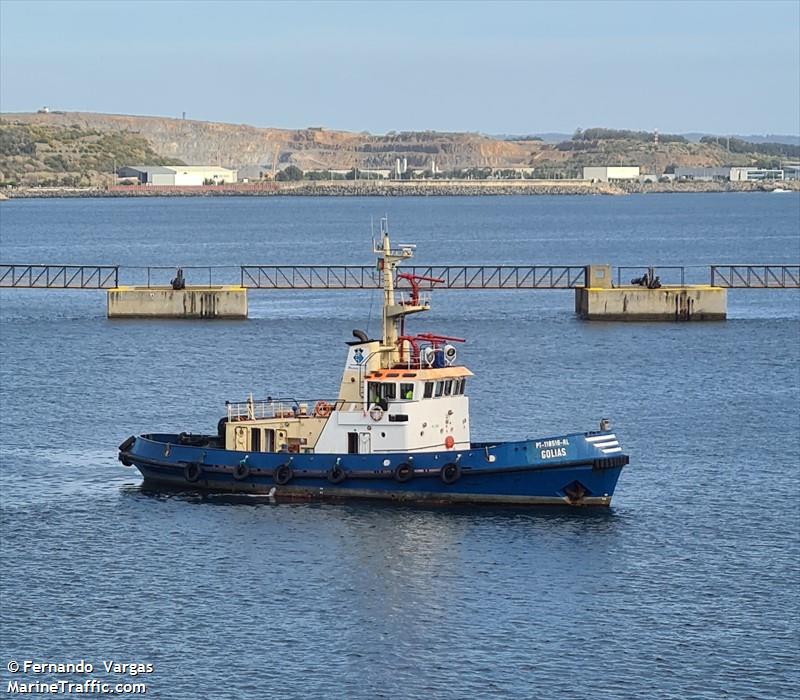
(735, 145)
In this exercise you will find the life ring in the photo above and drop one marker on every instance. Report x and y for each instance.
(322, 409)
(403, 472)
(450, 473)
(336, 475)
(192, 472)
(283, 474)
(376, 413)
(241, 471)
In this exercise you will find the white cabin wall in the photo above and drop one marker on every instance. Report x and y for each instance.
(430, 421)
(362, 358)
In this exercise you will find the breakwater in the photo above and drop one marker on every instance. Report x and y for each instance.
(336, 188)
(391, 188)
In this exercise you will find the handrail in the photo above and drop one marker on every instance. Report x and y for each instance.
(253, 409)
(656, 269)
(755, 276)
(452, 276)
(39, 276)
(342, 277)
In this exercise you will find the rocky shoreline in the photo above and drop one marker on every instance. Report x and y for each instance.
(386, 188)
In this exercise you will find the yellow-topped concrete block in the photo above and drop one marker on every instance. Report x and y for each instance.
(668, 303)
(166, 302)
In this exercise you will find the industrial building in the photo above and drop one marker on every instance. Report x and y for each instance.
(791, 171)
(702, 174)
(609, 173)
(754, 174)
(178, 175)
(733, 174)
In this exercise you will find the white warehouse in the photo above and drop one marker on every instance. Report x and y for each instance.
(178, 175)
(607, 173)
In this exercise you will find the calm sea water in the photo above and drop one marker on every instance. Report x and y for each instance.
(688, 587)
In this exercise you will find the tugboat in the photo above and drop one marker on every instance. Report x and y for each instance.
(399, 430)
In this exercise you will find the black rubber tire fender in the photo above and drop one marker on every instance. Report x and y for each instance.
(192, 472)
(450, 473)
(241, 471)
(128, 443)
(282, 474)
(403, 473)
(336, 475)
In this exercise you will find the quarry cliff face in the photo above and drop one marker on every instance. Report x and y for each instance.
(254, 151)
(245, 147)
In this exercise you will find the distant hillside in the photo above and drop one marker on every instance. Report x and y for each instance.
(251, 149)
(73, 156)
(83, 147)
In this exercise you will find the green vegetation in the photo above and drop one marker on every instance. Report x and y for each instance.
(290, 174)
(597, 134)
(322, 175)
(733, 145)
(69, 156)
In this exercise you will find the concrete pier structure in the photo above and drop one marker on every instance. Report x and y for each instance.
(600, 300)
(668, 303)
(165, 302)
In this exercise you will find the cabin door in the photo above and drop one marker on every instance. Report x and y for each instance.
(364, 443)
(240, 438)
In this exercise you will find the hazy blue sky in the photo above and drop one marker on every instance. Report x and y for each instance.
(497, 67)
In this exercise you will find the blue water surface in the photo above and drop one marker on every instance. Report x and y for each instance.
(688, 587)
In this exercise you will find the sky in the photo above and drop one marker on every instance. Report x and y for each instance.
(491, 67)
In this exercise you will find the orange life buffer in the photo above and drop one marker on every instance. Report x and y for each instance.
(259, 409)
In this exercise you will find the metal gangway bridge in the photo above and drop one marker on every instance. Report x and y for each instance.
(340, 277)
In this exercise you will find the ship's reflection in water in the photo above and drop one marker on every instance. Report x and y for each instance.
(382, 582)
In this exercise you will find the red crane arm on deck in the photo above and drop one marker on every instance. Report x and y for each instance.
(414, 281)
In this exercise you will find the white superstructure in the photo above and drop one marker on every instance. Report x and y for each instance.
(399, 393)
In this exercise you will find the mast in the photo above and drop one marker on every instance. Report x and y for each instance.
(393, 313)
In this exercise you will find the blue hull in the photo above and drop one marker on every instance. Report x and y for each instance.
(568, 469)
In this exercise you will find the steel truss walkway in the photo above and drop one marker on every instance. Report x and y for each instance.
(59, 276)
(26, 276)
(452, 276)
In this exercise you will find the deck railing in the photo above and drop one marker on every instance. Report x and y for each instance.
(253, 409)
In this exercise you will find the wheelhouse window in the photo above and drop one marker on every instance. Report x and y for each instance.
(463, 386)
(373, 391)
(448, 387)
(439, 389)
(389, 390)
(407, 391)
(428, 390)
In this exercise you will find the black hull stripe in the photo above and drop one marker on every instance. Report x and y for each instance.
(338, 493)
(597, 464)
